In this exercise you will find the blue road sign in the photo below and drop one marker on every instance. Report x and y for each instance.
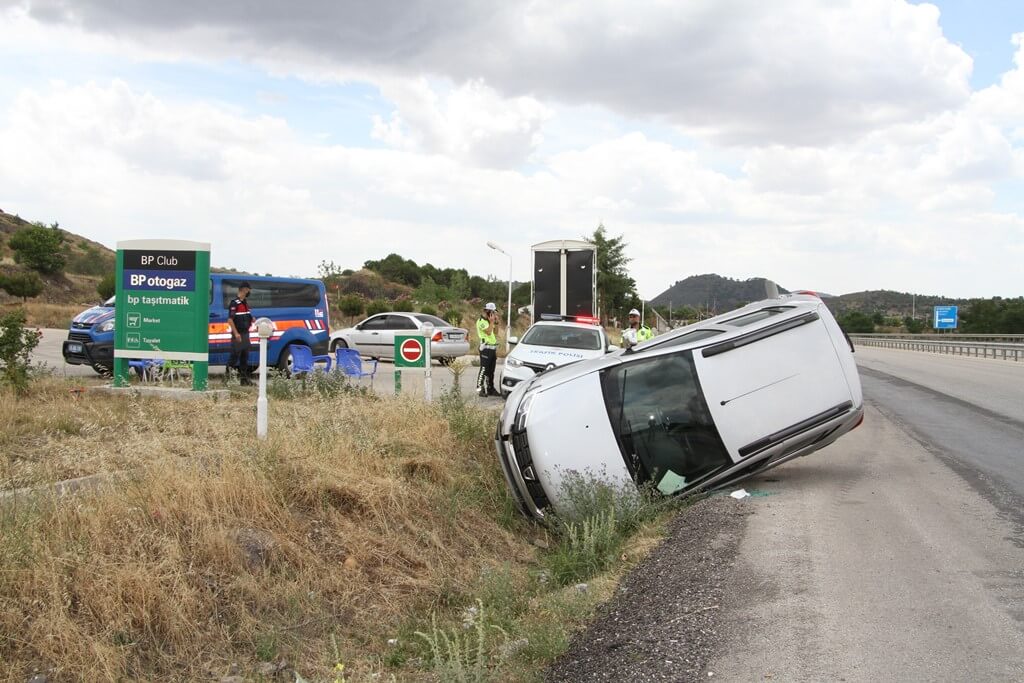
(945, 317)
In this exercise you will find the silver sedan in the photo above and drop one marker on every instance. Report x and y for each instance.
(375, 336)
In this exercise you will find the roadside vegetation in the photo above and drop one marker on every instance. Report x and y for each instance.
(366, 537)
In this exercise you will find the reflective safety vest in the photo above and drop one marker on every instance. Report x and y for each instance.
(489, 338)
(631, 336)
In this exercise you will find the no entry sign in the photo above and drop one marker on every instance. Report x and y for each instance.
(409, 352)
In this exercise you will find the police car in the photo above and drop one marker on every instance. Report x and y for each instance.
(548, 345)
(697, 408)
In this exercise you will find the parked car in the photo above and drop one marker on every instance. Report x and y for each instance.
(547, 345)
(297, 307)
(375, 336)
(698, 408)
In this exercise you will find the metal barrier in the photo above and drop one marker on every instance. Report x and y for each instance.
(1010, 350)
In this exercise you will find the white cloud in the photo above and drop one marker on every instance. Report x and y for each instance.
(115, 163)
(837, 145)
(740, 72)
(471, 123)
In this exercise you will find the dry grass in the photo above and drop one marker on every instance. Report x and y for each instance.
(41, 314)
(358, 515)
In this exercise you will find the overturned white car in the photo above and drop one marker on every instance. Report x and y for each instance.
(694, 409)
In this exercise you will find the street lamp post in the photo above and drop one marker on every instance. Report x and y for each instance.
(508, 310)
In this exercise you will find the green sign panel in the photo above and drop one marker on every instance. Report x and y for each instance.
(162, 305)
(410, 351)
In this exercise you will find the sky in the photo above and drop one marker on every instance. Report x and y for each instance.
(834, 145)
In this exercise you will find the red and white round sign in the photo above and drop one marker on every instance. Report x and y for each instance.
(411, 350)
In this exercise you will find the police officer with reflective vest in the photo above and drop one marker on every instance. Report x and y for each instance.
(239, 320)
(637, 332)
(487, 330)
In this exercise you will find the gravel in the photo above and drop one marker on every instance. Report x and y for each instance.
(663, 622)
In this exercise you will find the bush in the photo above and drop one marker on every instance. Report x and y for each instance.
(39, 248)
(854, 322)
(16, 344)
(351, 305)
(913, 326)
(24, 284)
(106, 287)
(428, 310)
(377, 306)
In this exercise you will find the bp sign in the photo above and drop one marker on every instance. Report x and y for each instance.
(162, 305)
(410, 352)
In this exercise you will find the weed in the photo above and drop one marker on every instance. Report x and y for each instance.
(466, 655)
(586, 548)
(16, 344)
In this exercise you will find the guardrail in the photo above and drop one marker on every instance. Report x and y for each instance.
(947, 344)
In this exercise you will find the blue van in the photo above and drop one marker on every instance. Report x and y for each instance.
(297, 307)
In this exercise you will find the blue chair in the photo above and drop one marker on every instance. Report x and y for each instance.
(349, 362)
(304, 361)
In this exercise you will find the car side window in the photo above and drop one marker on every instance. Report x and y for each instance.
(400, 322)
(377, 322)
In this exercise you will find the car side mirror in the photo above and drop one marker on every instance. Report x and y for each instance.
(611, 347)
(512, 341)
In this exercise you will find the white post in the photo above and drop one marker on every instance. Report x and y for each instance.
(428, 389)
(508, 312)
(265, 328)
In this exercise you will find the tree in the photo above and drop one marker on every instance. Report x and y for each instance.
(24, 284)
(377, 306)
(616, 290)
(351, 305)
(854, 322)
(39, 248)
(106, 287)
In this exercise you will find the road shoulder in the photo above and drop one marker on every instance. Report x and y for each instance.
(662, 624)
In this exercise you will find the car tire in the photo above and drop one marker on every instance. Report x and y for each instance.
(338, 344)
(284, 361)
(103, 370)
(445, 361)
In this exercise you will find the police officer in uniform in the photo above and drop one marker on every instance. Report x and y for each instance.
(240, 320)
(487, 330)
(637, 332)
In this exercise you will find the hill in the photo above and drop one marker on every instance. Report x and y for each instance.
(890, 303)
(84, 257)
(86, 262)
(711, 291)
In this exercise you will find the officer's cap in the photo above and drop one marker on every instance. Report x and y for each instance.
(490, 307)
(634, 312)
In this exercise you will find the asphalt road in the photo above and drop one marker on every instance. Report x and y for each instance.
(896, 554)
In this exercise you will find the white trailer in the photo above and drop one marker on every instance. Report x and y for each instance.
(564, 283)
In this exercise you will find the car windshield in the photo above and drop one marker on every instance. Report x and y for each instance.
(662, 422)
(563, 337)
(432, 319)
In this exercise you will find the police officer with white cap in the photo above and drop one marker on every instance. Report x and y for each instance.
(487, 331)
(637, 332)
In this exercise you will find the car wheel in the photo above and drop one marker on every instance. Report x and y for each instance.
(338, 344)
(445, 360)
(103, 370)
(285, 362)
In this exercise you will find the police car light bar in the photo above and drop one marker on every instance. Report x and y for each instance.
(586, 319)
